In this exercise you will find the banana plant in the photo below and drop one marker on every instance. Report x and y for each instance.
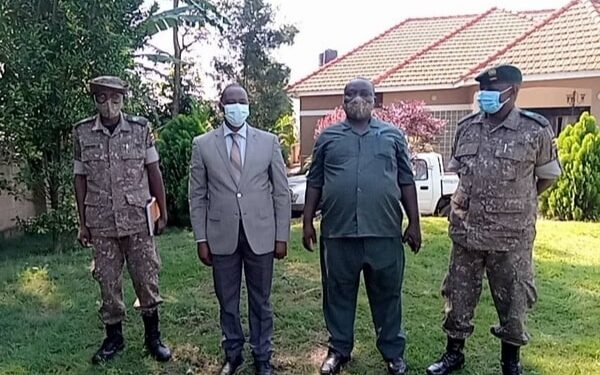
(193, 15)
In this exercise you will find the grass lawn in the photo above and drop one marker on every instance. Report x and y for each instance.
(49, 322)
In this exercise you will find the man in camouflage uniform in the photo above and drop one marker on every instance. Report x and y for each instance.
(505, 158)
(116, 172)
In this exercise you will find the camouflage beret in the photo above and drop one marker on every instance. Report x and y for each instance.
(109, 82)
(501, 73)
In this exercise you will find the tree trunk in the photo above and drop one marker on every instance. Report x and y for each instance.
(177, 70)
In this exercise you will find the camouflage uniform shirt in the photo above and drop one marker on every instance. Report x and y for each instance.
(495, 205)
(115, 169)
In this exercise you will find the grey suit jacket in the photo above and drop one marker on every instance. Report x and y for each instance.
(261, 200)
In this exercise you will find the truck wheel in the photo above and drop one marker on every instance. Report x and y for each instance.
(444, 208)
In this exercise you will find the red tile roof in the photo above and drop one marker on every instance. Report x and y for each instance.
(381, 53)
(449, 50)
(567, 41)
(537, 15)
(448, 58)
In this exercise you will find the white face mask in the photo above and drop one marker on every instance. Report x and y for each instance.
(236, 114)
(110, 107)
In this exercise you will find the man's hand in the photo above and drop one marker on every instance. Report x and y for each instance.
(84, 237)
(309, 236)
(412, 236)
(280, 250)
(161, 224)
(204, 253)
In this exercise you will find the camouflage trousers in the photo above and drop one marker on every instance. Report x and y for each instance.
(143, 264)
(511, 280)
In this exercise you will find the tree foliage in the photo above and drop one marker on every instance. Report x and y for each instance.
(576, 194)
(49, 50)
(248, 45)
(174, 143)
(189, 24)
(285, 128)
(412, 117)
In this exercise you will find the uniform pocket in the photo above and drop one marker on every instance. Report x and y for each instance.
(98, 212)
(515, 153)
(136, 199)
(509, 158)
(504, 206)
(466, 149)
(95, 199)
(92, 151)
(132, 151)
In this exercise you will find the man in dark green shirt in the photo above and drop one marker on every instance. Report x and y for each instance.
(361, 172)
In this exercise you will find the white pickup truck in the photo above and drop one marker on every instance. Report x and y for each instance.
(434, 186)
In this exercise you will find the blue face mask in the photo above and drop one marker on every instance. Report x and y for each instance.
(236, 114)
(489, 101)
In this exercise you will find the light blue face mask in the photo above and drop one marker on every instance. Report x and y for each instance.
(489, 101)
(236, 114)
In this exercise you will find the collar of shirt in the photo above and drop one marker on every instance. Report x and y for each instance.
(122, 125)
(373, 124)
(243, 132)
(510, 122)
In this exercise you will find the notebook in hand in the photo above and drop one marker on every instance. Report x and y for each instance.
(152, 215)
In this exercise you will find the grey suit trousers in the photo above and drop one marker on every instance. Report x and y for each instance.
(227, 276)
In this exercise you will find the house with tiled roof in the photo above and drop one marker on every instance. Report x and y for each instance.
(436, 60)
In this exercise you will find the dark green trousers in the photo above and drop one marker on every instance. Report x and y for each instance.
(382, 262)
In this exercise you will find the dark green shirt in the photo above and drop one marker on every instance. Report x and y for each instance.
(360, 176)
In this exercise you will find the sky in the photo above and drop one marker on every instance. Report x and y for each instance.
(344, 24)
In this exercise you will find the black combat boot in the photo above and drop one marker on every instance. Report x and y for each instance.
(511, 362)
(453, 359)
(157, 349)
(113, 343)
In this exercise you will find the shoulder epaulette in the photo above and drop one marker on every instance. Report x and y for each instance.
(541, 120)
(468, 117)
(84, 121)
(137, 119)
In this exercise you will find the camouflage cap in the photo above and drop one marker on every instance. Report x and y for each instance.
(109, 82)
(501, 73)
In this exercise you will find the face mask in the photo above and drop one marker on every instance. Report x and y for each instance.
(109, 109)
(358, 109)
(489, 101)
(236, 114)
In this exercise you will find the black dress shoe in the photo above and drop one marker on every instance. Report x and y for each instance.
(231, 366)
(397, 367)
(263, 368)
(333, 363)
(112, 344)
(453, 359)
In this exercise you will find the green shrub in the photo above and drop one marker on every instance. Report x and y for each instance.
(174, 143)
(285, 129)
(60, 225)
(576, 194)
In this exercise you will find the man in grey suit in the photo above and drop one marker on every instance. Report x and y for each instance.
(240, 211)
